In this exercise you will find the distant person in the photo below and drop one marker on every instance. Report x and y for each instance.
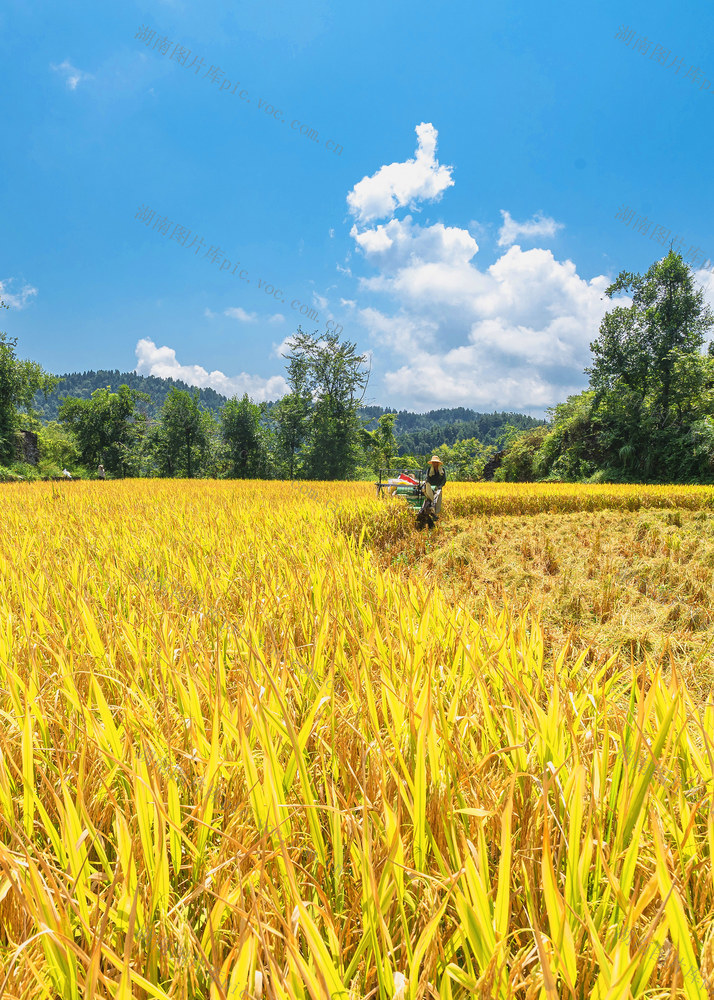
(435, 479)
(66, 474)
(101, 474)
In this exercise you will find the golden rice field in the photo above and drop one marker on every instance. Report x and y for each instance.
(270, 743)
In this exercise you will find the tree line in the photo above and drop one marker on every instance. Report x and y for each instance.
(646, 416)
(313, 430)
(319, 430)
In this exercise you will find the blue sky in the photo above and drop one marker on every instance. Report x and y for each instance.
(454, 210)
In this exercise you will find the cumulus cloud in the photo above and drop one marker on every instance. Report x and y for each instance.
(399, 184)
(539, 225)
(399, 242)
(71, 74)
(162, 362)
(515, 334)
(16, 300)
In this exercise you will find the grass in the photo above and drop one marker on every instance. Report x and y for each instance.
(247, 751)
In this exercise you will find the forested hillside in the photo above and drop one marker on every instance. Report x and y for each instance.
(81, 385)
(417, 433)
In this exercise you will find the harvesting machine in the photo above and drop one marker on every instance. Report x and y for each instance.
(410, 485)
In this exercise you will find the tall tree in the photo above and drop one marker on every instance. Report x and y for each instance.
(244, 438)
(650, 380)
(336, 379)
(19, 382)
(638, 346)
(290, 414)
(185, 432)
(381, 443)
(107, 427)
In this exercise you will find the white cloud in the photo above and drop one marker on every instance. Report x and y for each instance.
(276, 318)
(539, 225)
(282, 349)
(72, 75)
(162, 362)
(705, 280)
(407, 335)
(16, 300)
(399, 242)
(514, 335)
(236, 312)
(399, 184)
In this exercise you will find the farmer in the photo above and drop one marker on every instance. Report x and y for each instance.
(101, 474)
(435, 479)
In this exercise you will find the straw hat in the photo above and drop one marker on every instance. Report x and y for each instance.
(435, 460)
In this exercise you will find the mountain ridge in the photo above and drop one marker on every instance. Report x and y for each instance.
(416, 432)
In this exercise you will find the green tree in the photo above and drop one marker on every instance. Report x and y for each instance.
(107, 427)
(381, 443)
(571, 448)
(508, 433)
(244, 438)
(183, 440)
(650, 380)
(336, 380)
(638, 346)
(519, 461)
(19, 382)
(291, 414)
(160, 456)
(465, 459)
(58, 447)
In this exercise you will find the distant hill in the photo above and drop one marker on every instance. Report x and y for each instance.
(420, 432)
(416, 432)
(83, 384)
